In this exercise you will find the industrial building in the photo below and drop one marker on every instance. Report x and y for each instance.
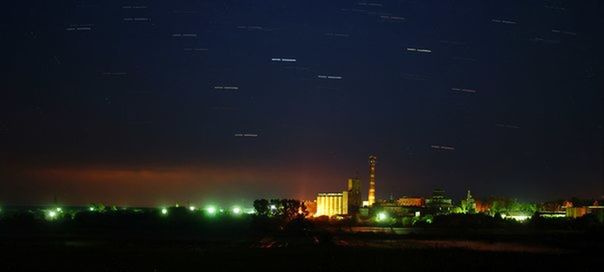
(354, 195)
(439, 203)
(330, 204)
(371, 195)
(410, 201)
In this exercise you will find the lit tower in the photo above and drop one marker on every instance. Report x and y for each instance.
(371, 196)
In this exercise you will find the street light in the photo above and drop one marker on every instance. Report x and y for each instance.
(211, 210)
(381, 216)
(51, 215)
(236, 210)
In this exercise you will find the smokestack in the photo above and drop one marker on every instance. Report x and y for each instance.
(371, 196)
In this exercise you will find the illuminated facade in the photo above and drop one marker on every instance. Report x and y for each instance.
(410, 201)
(354, 195)
(576, 212)
(371, 196)
(331, 204)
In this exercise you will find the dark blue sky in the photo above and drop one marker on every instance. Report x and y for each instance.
(125, 101)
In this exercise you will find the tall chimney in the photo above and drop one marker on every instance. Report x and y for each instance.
(371, 196)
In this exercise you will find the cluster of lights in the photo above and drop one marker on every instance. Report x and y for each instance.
(212, 210)
(381, 216)
(53, 213)
(519, 218)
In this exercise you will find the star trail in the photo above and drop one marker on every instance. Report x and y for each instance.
(139, 102)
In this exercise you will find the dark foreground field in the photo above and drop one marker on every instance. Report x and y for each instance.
(184, 241)
(241, 250)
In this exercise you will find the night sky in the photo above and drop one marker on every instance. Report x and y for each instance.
(152, 102)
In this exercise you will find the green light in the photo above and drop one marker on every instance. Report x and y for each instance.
(52, 214)
(192, 208)
(236, 210)
(250, 211)
(91, 209)
(164, 211)
(382, 216)
(273, 207)
(211, 210)
(59, 210)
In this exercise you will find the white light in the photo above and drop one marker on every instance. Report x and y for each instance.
(236, 210)
(381, 216)
(52, 214)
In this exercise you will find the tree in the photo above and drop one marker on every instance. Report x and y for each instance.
(292, 209)
(261, 206)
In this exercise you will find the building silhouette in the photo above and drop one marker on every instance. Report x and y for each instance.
(354, 195)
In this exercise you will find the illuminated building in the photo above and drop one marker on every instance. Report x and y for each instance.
(331, 204)
(438, 203)
(410, 201)
(393, 209)
(575, 212)
(371, 196)
(354, 195)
